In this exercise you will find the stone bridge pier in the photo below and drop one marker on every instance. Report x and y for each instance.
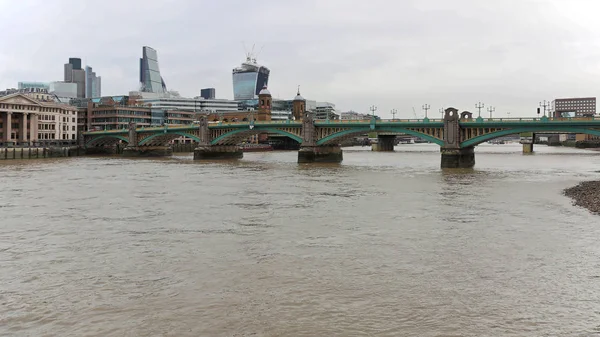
(453, 156)
(206, 151)
(527, 139)
(133, 149)
(310, 152)
(215, 152)
(385, 143)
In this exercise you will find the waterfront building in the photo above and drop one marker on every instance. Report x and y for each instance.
(353, 115)
(74, 74)
(249, 79)
(101, 116)
(35, 93)
(25, 120)
(93, 83)
(170, 101)
(179, 117)
(116, 112)
(325, 110)
(208, 93)
(573, 107)
(150, 78)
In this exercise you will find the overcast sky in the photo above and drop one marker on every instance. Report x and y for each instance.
(399, 54)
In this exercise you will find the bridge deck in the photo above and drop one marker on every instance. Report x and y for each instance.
(476, 122)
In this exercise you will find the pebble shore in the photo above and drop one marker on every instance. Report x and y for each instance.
(586, 194)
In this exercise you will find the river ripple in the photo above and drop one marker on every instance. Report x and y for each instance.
(384, 244)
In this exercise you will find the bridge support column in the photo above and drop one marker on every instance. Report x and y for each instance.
(147, 151)
(320, 154)
(527, 139)
(458, 158)
(217, 152)
(385, 143)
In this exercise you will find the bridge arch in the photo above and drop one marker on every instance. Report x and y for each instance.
(106, 140)
(167, 137)
(354, 132)
(239, 134)
(493, 135)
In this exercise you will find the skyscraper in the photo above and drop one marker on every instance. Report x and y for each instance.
(92, 83)
(208, 93)
(249, 79)
(74, 74)
(150, 79)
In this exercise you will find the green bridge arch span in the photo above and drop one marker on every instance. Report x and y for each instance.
(535, 129)
(96, 139)
(175, 134)
(254, 131)
(361, 131)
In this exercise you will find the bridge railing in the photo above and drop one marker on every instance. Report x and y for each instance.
(530, 119)
(429, 120)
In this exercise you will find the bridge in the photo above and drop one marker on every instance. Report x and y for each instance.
(457, 134)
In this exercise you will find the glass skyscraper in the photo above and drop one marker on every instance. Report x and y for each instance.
(150, 79)
(93, 86)
(249, 79)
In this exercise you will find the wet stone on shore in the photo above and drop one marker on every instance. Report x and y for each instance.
(586, 194)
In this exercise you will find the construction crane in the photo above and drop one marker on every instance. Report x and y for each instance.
(414, 113)
(251, 55)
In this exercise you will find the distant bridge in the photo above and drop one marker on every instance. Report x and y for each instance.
(456, 134)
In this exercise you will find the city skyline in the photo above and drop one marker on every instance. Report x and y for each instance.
(393, 55)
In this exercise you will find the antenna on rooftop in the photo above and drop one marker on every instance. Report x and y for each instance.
(246, 50)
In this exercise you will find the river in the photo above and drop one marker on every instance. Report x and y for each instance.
(383, 244)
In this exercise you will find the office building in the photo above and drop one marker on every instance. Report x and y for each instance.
(249, 79)
(35, 93)
(63, 91)
(34, 85)
(93, 83)
(170, 101)
(150, 78)
(74, 74)
(573, 107)
(208, 93)
(353, 115)
(116, 112)
(324, 111)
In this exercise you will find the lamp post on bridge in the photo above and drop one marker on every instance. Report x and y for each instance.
(479, 106)
(442, 112)
(393, 112)
(491, 109)
(426, 107)
(544, 105)
(373, 108)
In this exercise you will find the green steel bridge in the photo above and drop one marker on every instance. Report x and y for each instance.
(456, 134)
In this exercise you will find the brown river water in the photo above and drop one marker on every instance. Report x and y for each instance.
(383, 244)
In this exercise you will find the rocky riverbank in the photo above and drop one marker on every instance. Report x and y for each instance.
(586, 194)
